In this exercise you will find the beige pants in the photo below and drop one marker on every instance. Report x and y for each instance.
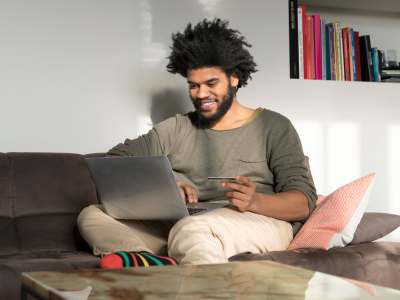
(211, 237)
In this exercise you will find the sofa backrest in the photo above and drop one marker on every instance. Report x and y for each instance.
(41, 195)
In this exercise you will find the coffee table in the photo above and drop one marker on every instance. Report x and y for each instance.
(236, 280)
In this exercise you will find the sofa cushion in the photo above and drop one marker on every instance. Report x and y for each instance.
(8, 236)
(50, 183)
(377, 262)
(374, 226)
(57, 231)
(11, 267)
(41, 195)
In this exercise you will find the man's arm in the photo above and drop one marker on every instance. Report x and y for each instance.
(287, 206)
(160, 140)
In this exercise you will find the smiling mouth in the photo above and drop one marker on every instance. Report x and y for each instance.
(208, 105)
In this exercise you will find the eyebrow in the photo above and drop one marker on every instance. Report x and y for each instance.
(212, 79)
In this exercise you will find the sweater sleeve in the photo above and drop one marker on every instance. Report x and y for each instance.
(288, 163)
(160, 140)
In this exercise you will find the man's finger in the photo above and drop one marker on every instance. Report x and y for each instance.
(236, 186)
(238, 196)
(239, 204)
(244, 180)
(191, 194)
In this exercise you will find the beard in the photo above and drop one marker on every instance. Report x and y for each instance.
(226, 103)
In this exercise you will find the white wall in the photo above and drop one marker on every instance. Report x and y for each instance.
(81, 75)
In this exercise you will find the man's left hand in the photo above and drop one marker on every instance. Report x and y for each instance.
(243, 195)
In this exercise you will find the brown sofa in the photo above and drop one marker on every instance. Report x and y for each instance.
(41, 195)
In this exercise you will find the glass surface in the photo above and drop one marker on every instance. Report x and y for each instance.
(237, 280)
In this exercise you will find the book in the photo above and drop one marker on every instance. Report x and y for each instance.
(328, 52)
(352, 53)
(323, 48)
(341, 57)
(346, 60)
(358, 55)
(332, 58)
(381, 62)
(293, 40)
(317, 47)
(365, 55)
(304, 25)
(375, 64)
(337, 49)
(308, 32)
(300, 38)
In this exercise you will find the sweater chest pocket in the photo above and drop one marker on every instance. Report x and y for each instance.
(254, 167)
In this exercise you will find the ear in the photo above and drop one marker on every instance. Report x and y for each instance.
(234, 79)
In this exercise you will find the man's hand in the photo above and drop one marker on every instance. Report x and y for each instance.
(243, 195)
(188, 192)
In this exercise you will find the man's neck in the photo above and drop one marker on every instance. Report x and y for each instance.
(236, 116)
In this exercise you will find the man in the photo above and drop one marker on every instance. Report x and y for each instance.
(273, 192)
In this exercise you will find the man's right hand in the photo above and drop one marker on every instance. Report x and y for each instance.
(188, 192)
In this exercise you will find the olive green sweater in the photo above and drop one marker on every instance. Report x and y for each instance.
(267, 149)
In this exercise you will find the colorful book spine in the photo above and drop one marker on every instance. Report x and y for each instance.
(327, 52)
(309, 49)
(352, 51)
(332, 50)
(300, 38)
(305, 42)
(375, 64)
(341, 58)
(365, 54)
(323, 48)
(317, 47)
(337, 51)
(293, 40)
(358, 55)
(346, 65)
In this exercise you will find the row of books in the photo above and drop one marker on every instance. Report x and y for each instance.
(325, 51)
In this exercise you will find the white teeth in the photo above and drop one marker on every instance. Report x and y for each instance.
(208, 104)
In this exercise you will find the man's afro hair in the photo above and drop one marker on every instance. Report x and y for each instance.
(211, 44)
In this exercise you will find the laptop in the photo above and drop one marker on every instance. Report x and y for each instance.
(141, 188)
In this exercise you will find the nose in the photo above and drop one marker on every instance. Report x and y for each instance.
(203, 92)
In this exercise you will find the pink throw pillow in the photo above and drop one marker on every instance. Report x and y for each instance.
(336, 217)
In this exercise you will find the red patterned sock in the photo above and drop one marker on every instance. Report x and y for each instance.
(124, 259)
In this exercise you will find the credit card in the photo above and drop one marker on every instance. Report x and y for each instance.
(221, 178)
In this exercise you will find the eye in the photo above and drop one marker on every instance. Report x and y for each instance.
(192, 86)
(212, 83)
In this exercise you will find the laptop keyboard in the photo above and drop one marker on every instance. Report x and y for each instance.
(195, 210)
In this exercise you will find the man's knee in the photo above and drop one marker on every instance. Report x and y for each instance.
(105, 234)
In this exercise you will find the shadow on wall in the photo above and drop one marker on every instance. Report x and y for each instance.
(167, 103)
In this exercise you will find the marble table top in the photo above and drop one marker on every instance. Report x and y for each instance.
(236, 280)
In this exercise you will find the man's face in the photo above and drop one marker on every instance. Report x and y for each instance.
(212, 93)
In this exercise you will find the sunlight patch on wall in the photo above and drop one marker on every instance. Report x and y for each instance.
(209, 6)
(343, 144)
(393, 167)
(312, 138)
(144, 124)
(152, 53)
